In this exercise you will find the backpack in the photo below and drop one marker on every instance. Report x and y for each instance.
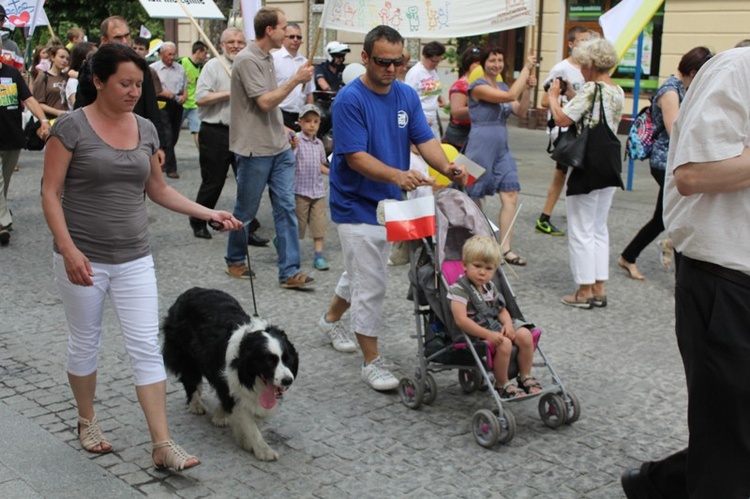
(642, 135)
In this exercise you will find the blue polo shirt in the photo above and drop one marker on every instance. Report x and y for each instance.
(381, 125)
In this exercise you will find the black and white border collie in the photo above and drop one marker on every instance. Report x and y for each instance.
(248, 363)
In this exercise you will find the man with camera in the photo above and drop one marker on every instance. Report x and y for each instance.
(571, 79)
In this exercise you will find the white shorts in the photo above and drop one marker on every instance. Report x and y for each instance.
(365, 251)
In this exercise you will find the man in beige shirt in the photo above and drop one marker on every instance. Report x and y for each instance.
(263, 147)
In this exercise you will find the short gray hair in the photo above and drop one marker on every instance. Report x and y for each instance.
(225, 34)
(598, 54)
(167, 45)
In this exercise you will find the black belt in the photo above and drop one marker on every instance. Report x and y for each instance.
(731, 275)
(206, 123)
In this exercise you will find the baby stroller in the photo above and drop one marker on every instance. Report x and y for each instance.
(441, 346)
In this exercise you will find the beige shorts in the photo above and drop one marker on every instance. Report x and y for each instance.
(312, 212)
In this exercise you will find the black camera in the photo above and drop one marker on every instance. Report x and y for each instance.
(563, 85)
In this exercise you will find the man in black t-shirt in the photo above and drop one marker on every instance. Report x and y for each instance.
(13, 92)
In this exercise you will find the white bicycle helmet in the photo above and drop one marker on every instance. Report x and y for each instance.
(336, 48)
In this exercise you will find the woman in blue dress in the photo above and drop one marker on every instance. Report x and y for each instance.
(490, 104)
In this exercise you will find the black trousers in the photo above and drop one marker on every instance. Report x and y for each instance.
(653, 227)
(172, 119)
(214, 158)
(713, 333)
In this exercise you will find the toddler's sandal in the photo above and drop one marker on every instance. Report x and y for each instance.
(509, 391)
(529, 384)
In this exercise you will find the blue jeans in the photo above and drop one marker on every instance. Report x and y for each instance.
(253, 173)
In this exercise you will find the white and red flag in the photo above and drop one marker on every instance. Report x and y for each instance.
(412, 219)
(473, 170)
(144, 32)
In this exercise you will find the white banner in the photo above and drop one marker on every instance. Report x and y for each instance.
(429, 18)
(170, 9)
(22, 14)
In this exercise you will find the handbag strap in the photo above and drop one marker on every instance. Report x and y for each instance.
(590, 115)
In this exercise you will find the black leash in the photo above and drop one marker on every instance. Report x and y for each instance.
(216, 225)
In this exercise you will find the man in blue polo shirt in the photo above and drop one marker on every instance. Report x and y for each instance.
(375, 119)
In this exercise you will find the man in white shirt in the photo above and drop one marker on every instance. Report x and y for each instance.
(173, 94)
(286, 61)
(570, 72)
(706, 209)
(423, 78)
(214, 156)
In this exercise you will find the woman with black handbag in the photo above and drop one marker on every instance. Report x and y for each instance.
(590, 189)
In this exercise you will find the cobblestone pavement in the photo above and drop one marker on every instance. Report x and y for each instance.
(335, 436)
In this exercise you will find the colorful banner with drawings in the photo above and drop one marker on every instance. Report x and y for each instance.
(429, 18)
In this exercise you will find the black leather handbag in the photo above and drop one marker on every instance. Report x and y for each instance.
(570, 146)
(603, 160)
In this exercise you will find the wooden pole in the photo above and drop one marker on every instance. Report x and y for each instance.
(315, 45)
(205, 37)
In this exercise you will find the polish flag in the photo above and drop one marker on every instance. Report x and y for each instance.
(473, 170)
(144, 32)
(412, 219)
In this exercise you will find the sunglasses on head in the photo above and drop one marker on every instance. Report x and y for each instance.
(385, 63)
(294, 37)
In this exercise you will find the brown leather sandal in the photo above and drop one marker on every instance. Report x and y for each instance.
(91, 436)
(175, 458)
(298, 280)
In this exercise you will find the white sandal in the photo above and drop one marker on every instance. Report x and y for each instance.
(175, 458)
(91, 436)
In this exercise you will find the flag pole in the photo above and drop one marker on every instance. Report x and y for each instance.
(636, 97)
(205, 37)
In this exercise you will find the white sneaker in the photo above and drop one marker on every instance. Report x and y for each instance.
(336, 334)
(377, 377)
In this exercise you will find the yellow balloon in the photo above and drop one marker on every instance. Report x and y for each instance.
(478, 72)
(450, 151)
(440, 179)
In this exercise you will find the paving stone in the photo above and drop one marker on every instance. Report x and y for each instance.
(335, 436)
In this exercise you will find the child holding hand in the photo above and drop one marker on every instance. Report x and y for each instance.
(491, 321)
(309, 184)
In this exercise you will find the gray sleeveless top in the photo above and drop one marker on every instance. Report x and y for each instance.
(103, 197)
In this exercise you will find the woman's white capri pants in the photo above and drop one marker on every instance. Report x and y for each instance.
(131, 288)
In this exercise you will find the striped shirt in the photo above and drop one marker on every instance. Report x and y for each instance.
(308, 180)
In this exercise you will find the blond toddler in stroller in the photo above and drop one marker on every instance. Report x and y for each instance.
(479, 309)
(456, 331)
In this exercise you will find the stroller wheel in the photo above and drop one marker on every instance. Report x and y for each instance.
(469, 380)
(574, 408)
(430, 389)
(486, 428)
(507, 426)
(552, 410)
(411, 392)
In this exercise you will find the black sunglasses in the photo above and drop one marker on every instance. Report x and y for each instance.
(294, 37)
(385, 63)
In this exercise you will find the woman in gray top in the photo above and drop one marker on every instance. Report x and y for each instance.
(99, 161)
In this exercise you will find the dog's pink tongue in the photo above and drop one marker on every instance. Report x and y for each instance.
(268, 397)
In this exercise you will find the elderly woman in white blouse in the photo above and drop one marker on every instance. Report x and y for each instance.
(590, 190)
